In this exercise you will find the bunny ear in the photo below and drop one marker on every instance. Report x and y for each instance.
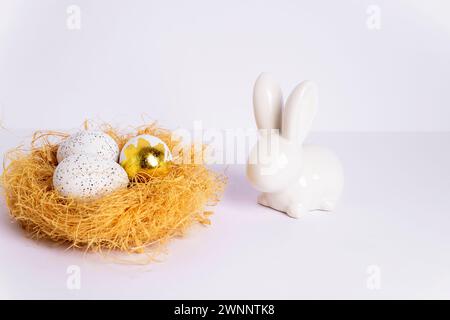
(267, 102)
(299, 112)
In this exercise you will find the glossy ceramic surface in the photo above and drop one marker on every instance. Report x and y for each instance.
(292, 177)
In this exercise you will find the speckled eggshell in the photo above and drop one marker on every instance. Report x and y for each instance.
(88, 176)
(153, 142)
(89, 142)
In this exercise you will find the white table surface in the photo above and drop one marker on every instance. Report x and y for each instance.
(394, 215)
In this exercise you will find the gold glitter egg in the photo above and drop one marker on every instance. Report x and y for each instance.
(145, 153)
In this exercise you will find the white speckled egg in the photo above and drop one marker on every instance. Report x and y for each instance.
(89, 142)
(88, 176)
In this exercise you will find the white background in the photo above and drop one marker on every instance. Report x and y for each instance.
(179, 61)
(384, 109)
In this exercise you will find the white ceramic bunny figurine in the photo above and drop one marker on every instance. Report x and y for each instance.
(293, 177)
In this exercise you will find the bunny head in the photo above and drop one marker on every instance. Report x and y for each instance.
(275, 162)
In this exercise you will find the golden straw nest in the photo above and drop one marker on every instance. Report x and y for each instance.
(150, 211)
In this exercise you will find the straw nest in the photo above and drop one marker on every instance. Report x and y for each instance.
(150, 211)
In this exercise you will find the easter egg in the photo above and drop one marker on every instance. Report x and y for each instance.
(88, 176)
(89, 142)
(145, 153)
